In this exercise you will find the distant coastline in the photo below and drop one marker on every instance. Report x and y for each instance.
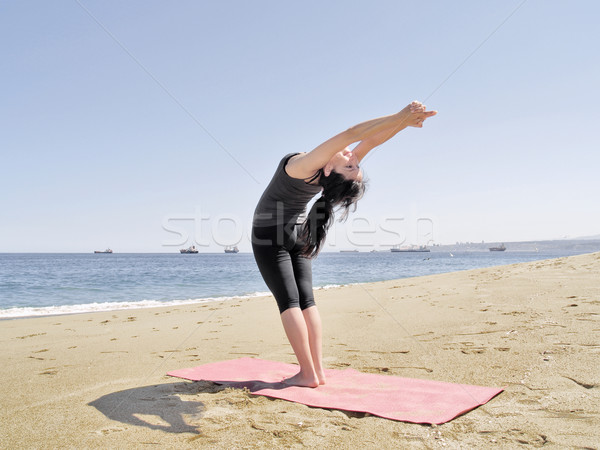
(576, 245)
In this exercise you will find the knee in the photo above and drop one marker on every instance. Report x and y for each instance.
(307, 303)
(286, 304)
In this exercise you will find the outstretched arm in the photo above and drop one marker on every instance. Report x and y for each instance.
(366, 145)
(418, 115)
(370, 133)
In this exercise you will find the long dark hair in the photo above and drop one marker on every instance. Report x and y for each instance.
(338, 192)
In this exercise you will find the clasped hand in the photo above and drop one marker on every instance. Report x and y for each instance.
(416, 113)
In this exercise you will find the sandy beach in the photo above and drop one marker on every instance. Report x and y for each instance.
(98, 380)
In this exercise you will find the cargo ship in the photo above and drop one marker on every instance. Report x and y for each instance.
(410, 249)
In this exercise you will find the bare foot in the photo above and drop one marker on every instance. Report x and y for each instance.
(302, 380)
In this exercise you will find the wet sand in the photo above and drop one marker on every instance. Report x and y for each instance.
(98, 380)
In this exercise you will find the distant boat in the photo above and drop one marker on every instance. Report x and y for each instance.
(410, 249)
(108, 250)
(349, 251)
(232, 250)
(498, 249)
(191, 249)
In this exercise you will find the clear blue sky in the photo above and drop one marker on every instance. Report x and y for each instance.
(96, 152)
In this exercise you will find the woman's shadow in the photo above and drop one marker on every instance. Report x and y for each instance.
(160, 407)
(157, 407)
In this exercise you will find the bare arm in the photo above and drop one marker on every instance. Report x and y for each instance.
(370, 133)
(366, 145)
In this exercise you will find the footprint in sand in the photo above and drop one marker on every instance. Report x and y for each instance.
(376, 369)
(30, 335)
(582, 384)
(341, 365)
(472, 351)
(106, 431)
(426, 369)
(469, 348)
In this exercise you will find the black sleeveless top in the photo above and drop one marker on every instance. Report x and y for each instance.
(285, 199)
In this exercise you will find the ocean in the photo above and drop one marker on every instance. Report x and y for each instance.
(63, 283)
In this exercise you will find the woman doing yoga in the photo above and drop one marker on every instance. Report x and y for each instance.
(284, 238)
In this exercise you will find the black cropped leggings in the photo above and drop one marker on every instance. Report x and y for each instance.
(287, 273)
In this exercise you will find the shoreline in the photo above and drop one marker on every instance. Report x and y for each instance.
(98, 379)
(143, 304)
(27, 312)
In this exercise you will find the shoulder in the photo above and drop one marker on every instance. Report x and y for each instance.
(296, 168)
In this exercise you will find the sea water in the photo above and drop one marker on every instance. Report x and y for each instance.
(45, 284)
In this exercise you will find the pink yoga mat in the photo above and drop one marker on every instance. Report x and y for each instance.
(405, 399)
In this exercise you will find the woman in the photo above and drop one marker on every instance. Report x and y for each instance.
(284, 241)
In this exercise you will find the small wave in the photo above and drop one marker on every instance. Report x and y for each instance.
(14, 313)
(329, 286)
